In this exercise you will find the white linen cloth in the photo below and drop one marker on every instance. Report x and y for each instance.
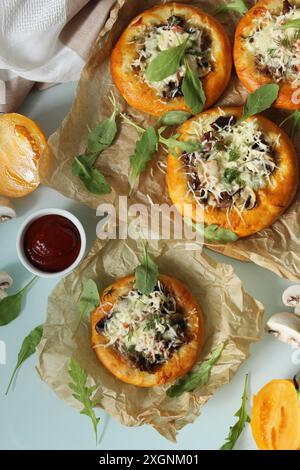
(45, 41)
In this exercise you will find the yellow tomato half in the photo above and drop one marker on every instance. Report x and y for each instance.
(21, 145)
(275, 418)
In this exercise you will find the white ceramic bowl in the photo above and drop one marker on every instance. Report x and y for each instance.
(20, 242)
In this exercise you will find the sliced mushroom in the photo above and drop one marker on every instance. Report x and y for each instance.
(7, 211)
(291, 297)
(285, 327)
(246, 200)
(5, 283)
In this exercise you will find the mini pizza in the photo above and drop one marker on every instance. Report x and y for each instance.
(267, 49)
(207, 52)
(243, 177)
(147, 340)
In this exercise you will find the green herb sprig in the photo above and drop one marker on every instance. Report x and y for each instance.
(28, 348)
(243, 419)
(146, 274)
(198, 377)
(99, 139)
(237, 6)
(11, 306)
(83, 393)
(88, 301)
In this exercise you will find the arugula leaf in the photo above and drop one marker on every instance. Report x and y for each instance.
(292, 24)
(11, 306)
(146, 274)
(28, 348)
(174, 118)
(295, 117)
(88, 300)
(166, 63)
(83, 393)
(198, 377)
(243, 419)
(83, 163)
(173, 144)
(145, 148)
(215, 234)
(261, 99)
(100, 138)
(103, 135)
(92, 178)
(239, 6)
(193, 91)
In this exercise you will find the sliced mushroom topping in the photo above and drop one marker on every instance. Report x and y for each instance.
(285, 327)
(7, 211)
(5, 283)
(246, 200)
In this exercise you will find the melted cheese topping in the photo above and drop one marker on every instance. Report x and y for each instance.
(235, 162)
(158, 39)
(142, 324)
(277, 50)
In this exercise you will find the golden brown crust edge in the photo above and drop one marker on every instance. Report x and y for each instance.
(179, 363)
(245, 66)
(139, 95)
(273, 201)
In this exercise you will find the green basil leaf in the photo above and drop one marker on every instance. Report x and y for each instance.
(295, 123)
(28, 348)
(243, 419)
(83, 393)
(292, 24)
(103, 135)
(261, 99)
(146, 275)
(11, 306)
(145, 148)
(198, 376)
(166, 63)
(88, 301)
(193, 92)
(174, 118)
(238, 6)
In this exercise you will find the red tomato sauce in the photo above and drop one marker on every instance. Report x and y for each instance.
(52, 243)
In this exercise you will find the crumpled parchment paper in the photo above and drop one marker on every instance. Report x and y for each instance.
(276, 248)
(231, 316)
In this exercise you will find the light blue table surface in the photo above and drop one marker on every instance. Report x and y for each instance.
(33, 417)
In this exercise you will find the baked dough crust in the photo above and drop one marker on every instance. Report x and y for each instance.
(272, 200)
(138, 94)
(179, 363)
(244, 61)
